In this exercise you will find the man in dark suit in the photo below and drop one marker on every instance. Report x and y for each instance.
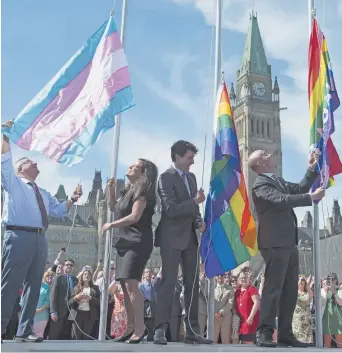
(274, 200)
(176, 237)
(62, 288)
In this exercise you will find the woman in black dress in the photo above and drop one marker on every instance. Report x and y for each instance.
(134, 211)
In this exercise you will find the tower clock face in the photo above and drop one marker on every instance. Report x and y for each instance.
(259, 89)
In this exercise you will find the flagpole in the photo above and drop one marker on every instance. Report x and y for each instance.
(316, 237)
(114, 168)
(217, 76)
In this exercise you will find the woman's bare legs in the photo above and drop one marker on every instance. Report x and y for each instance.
(137, 301)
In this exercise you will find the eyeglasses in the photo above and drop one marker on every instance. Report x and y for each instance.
(70, 265)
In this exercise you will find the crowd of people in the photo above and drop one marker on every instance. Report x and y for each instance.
(236, 306)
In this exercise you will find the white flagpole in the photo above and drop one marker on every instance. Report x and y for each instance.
(316, 238)
(217, 76)
(114, 168)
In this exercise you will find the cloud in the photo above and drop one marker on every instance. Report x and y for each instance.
(340, 8)
(174, 89)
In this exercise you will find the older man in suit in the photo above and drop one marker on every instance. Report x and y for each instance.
(177, 239)
(223, 305)
(274, 200)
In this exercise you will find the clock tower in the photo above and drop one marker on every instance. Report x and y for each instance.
(256, 104)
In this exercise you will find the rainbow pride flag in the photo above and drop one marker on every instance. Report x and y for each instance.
(230, 238)
(323, 101)
(79, 104)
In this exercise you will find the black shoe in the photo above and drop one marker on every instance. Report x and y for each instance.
(141, 339)
(196, 339)
(264, 339)
(159, 337)
(124, 337)
(30, 338)
(291, 341)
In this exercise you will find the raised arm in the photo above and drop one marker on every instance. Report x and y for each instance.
(7, 171)
(278, 200)
(111, 194)
(5, 146)
(198, 221)
(304, 186)
(310, 176)
(137, 210)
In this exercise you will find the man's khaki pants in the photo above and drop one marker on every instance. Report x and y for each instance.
(223, 326)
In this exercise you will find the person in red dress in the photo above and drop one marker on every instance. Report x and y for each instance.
(247, 304)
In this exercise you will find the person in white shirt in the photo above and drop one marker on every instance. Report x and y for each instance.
(85, 307)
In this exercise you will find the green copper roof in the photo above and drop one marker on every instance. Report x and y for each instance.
(254, 57)
(61, 194)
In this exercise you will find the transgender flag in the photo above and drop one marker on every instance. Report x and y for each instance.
(69, 114)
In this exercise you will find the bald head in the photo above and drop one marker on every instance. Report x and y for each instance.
(261, 162)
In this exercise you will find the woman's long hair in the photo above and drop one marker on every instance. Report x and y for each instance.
(146, 185)
(80, 284)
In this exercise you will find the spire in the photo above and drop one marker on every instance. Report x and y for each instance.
(307, 221)
(276, 89)
(254, 57)
(97, 185)
(61, 194)
(232, 94)
(336, 213)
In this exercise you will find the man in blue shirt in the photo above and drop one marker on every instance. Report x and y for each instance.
(25, 218)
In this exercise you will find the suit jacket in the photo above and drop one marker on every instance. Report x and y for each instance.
(180, 214)
(274, 203)
(60, 293)
(94, 304)
(224, 299)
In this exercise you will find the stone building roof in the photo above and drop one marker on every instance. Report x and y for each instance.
(254, 58)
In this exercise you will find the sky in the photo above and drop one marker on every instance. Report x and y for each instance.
(169, 47)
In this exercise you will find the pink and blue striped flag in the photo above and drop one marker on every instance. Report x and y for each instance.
(79, 104)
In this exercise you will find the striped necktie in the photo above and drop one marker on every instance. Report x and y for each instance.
(41, 205)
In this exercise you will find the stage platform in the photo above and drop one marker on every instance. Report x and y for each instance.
(97, 346)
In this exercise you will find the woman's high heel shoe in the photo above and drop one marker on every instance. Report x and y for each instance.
(141, 339)
(124, 337)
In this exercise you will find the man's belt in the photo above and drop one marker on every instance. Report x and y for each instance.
(27, 229)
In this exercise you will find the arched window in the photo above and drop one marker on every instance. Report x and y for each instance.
(258, 132)
(262, 128)
(268, 129)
